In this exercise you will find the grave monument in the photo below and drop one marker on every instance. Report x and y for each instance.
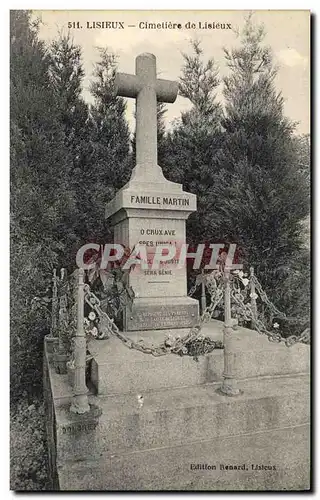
(150, 210)
(161, 423)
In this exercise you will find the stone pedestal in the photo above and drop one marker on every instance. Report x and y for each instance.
(183, 419)
(153, 212)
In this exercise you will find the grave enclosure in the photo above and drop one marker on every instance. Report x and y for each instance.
(120, 419)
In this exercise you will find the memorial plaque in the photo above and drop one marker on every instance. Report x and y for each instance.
(162, 316)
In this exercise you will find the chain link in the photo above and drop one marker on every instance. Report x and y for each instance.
(165, 347)
(271, 306)
(216, 291)
(192, 290)
(248, 315)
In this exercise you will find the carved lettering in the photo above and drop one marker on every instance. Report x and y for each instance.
(163, 317)
(158, 200)
(75, 428)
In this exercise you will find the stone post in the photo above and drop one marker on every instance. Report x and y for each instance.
(52, 339)
(229, 385)
(60, 356)
(203, 293)
(63, 312)
(55, 305)
(80, 399)
(253, 298)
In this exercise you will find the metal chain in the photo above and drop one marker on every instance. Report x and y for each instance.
(271, 306)
(248, 315)
(264, 297)
(164, 348)
(216, 292)
(193, 289)
(304, 337)
(210, 280)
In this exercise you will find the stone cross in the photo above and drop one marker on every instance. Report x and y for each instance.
(147, 89)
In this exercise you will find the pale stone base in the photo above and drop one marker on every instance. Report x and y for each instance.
(169, 468)
(116, 369)
(183, 420)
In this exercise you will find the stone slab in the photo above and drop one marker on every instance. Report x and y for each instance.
(169, 468)
(172, 417)
(160, 313)
(151, 446)
(116, 369)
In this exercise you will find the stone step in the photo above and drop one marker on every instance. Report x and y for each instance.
(174, 417)
(115, 369)
(169, 468)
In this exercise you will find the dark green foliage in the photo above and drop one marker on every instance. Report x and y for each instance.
(42, 205)
(65, 164)
(195, 139)
(97, 136)
(66, 75)
(260, 193)
(293, 294)
(67, 161)
(110, 141)
(302, 155)
(199, 81)
(111, 131)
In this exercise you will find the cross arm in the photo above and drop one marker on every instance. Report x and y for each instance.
(127, 85)
(166, 90)
(130, 85)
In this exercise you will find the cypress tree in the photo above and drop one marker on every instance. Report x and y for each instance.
(67, 73)
(110, 139)
(41, 203)
(260, 193)
(195, 138)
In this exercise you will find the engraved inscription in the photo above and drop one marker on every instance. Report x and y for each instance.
(160, 200)
(75, 428)
(158, 317)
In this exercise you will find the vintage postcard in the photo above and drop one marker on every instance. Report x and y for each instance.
(160, 263)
